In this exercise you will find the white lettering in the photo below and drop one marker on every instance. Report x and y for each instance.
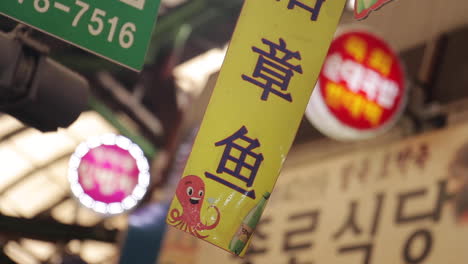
(353, 74)
(370, 85)
(388, 94)
(359, 78)
(86, 174)
(107, 181)
(127, 184)
(331, 69)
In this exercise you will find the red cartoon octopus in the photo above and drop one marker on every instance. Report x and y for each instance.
(190, 192)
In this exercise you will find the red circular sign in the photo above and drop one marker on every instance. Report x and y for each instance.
(362, 81)
(361, 84)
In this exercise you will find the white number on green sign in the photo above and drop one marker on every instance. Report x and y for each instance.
(96, 25)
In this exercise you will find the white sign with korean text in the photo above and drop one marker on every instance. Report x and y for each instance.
(401, 203)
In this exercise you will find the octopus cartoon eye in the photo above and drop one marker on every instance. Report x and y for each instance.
(190, 191)
(200, 193)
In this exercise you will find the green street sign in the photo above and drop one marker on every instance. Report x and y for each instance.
(119, 30)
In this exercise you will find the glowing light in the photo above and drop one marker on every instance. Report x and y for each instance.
(73, 174)
(123, 142)
(100, 207)
(115, 208)
(86, 200)
(135, 194)
(143, 179)
(93, 142)
(139, 192)
(74, 162)
(129, 202)
(142, 165)
(81, 150)
(135, 151)
(108, 139)
(77, 190)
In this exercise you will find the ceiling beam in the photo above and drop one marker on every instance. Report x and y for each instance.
(52, 231)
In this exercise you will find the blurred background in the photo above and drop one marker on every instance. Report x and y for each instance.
(160, 109)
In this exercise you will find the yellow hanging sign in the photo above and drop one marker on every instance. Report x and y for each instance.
(265, 83)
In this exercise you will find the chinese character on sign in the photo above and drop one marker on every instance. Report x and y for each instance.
(239, 160)
(314, 10)
(274, 69)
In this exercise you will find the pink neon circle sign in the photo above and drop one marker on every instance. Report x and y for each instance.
(109, 174)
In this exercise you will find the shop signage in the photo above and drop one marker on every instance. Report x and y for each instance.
(361, 89)
(119, 30)
(274, 59)
(401, 203)
(362, 8)
(108, 174)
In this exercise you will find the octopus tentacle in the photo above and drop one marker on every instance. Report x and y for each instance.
(175, 216)
(194, 232)
(201, 226)
(179, 224)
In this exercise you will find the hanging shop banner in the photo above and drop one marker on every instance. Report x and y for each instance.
(401, 203)
(362, 8)
(270, 69)
(108, 174)
(361, 90)
(119, 30)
